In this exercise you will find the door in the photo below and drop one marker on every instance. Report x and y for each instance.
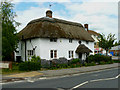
(80, 56)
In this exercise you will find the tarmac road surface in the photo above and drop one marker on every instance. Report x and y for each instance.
(97, 79)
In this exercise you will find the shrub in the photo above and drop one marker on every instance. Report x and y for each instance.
(62, 65)
(116, 61)
(31, 65)
(97, 58)
(102, 63)
(90, 59)
(75, 61)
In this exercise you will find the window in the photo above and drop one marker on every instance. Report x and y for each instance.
(70, 40)
(70, 54)
(87, 42)
(53, 53)
(53, 39)
(30, 52)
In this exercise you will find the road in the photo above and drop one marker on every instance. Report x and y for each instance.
(100, 79)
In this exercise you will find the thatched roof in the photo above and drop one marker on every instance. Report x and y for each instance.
(91, 32)
(54, 28)
(82, 49)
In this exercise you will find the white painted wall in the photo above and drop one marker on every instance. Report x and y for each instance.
(62, 46)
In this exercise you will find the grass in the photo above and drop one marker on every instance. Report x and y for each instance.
(7, 71)
(15, 70)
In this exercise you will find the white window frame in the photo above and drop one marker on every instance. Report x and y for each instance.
(53, 54)
(30, 52)
(71, 53)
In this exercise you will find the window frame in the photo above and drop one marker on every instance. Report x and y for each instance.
(30, 52)
(70, 40)
(53, 54)
(87, 42)
(53, 39)
(71, 53)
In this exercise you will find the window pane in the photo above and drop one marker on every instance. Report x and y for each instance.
(28, 52)
(55, 54)
(31, 52)
(51, 40)
(51, 53)
(69, 54)
(72, 54)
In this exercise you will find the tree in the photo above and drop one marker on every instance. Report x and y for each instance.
(9, 33)
(106, 43)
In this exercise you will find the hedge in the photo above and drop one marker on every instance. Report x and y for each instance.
(31, 65)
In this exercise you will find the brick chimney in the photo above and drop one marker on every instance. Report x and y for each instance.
(86, 27)
(49, 13)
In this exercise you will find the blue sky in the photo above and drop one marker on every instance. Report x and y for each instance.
(102, 17)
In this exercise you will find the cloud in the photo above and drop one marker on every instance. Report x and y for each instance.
(24, 17)
(102, 17)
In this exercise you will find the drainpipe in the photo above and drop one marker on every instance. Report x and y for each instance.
(25, 50)
(25, 45)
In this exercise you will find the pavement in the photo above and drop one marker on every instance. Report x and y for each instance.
(54, 73)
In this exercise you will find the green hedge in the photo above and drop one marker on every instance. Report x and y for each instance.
(98, 58)
(31, 65)
(75, 61)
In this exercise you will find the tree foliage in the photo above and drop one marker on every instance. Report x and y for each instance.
(9, 33)
(106, 42)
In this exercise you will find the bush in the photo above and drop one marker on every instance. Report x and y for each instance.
(97, 58)
(31, 65)
(116, 61)
(102, 63)
(90, 59)
(90, 64)
(62, 65)
(75, 61)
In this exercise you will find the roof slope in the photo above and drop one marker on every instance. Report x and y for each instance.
(91, 32)
(54, 28)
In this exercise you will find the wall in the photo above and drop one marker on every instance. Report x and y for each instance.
(44, 46)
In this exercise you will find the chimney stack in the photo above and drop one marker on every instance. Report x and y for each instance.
(49, 13)
(86, 27)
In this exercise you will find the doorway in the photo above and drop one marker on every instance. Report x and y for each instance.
(80, 56)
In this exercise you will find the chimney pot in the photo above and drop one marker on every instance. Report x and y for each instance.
(49, 13)
(86, 26)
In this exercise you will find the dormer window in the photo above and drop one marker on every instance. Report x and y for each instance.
(53, 39)
(70, 40)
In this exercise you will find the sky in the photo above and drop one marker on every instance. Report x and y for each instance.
(101, 15)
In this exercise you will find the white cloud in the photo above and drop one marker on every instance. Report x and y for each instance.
(26, 16)
(101, 17)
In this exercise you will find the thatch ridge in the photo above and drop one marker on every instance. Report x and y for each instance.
(53, 20)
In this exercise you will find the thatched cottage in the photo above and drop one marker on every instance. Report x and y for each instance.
(52, 38)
